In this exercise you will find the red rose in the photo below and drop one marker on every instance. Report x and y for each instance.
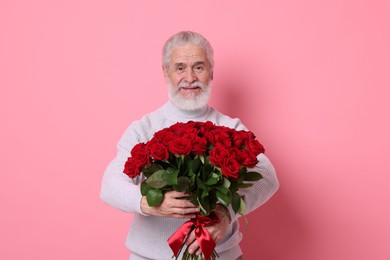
(254, 146)
(218, 154)
(138, 148)
(169, 137)
(158, 151)
(180, 145)
(250, 159)
(204, 128)
(190, 136)
(131, 169)
(238, 154)
(199, 145)
(182, 129)
(220, 136)
(239, 138)
(230, 168)
(161, 135)
(140, 155)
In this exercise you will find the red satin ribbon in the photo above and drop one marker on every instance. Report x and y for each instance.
(205, 241)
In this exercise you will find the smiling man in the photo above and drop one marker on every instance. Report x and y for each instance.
(189, 74)
(188, 63)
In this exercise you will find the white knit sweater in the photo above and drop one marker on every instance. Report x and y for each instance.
(147, 238)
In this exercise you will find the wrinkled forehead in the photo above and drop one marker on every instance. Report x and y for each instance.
(188, 54)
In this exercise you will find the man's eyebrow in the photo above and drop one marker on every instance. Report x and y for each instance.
(178, 64)
(199, 63)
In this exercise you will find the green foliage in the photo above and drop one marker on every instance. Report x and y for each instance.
(236, 202)
(170, 175)
(198, 177)
(148, 171)
(183, 184)
(154, 197)
(145, 188)
(252, 176)
(156, 180)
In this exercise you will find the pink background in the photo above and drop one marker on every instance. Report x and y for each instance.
(310, 78)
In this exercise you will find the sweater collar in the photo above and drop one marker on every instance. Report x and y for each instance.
(178, 114)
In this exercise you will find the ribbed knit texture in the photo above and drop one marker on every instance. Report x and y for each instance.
(147, 238)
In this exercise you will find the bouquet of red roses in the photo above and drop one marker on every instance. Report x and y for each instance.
(207, 161)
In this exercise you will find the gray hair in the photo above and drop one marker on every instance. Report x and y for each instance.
(185, 37)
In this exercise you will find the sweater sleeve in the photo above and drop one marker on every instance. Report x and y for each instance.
(117, 189)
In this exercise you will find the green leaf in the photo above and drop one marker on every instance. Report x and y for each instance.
(192, 178)
(201, 157)
(236, 201)
(194, 165)
(183, 184)
(226, 183)
(225, 198)
(205, 193)
(234, 185)
(244, 185)
(222, 189)
(242, 209)
(213, 179)
(204, 206)
(206, 174)
(193, 199)
(170, 175)
(145, 188)
(148, 171)
(156, 180)
(207, 168)
(154, 197)
(200, 183)
(252, 176)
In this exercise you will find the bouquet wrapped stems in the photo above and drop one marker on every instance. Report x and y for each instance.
(205, 241)
(187, 256)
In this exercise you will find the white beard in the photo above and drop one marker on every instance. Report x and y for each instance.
(192, 102)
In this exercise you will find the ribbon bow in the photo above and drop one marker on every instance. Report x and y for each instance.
(205, 241)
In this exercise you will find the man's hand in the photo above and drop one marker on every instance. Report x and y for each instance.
(217, 231)
(174, 205)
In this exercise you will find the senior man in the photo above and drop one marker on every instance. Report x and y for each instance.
(187, 61)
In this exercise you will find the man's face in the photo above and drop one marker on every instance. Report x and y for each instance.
(189, 75)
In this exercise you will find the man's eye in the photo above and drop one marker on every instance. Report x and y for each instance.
(199, 68)
(180, 69)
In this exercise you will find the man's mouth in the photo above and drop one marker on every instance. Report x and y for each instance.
(190, 87)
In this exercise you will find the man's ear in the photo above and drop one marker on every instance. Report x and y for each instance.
(165, 72)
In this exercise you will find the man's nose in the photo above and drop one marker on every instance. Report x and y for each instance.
(190, 76)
